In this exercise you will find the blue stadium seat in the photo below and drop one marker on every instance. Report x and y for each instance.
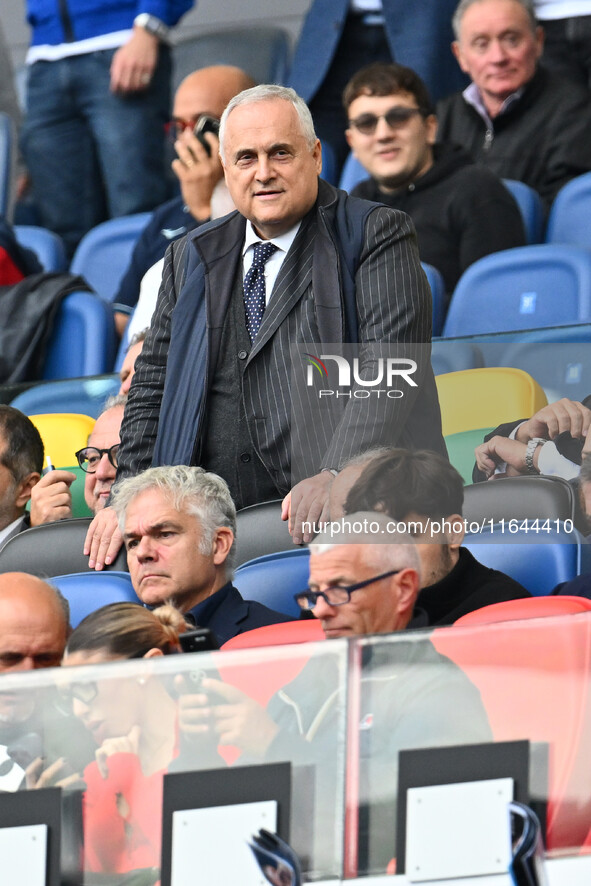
(353, 173)
(570, 216)
(452, 356)
(532, 286)
(85, 396)
(531, 208)
(562, 369)
(539, 567)
(438, 296)
(329, 164)
(88, 591)
(261, 51)
(103, 254)
(274, 579)
(47, 246)
(83, 338)
(7, 160)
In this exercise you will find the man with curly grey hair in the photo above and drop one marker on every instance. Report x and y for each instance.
(179, 524)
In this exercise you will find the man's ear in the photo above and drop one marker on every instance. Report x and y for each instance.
(222, 542)
(349, 135)
(23, 490)
(408, 587)
(455, 48)
(455, 536)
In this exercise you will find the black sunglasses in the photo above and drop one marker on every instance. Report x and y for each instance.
(89, 457)
(395, 118)
(336, 595)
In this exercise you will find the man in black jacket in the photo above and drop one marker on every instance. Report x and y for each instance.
(421, 491)
(515, 118)
(461, 211)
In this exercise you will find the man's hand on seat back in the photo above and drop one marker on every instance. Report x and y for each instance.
(307, 502)
(103, 539)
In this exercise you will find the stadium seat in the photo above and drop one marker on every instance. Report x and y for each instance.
(7, 161)
(261, 51)
(454, 355)
(88, 591)
(532, 286)
(568, 221)
(274, 579)
(531, 209)
(63, 434)
(486, 397)
(353, 173)
(533, 677)
(329, 163)
(85, 396)
(528, 607)
(47, 246)
(562, 369)
(103, 254)
(260, 530)
(285, 633)
(438, 296)
(83, 338)
(52, 549)
(520, 498)
(539, 561)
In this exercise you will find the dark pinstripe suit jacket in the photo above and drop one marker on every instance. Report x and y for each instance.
(169, 391)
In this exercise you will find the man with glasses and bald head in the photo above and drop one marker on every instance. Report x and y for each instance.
(51, 498)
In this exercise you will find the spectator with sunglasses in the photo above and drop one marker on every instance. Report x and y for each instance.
(461, 211)
(203, 93)
(51, 498)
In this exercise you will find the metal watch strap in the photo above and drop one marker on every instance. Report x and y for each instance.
(531, 447)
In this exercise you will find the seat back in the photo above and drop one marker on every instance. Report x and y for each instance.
(329, 163)
(531, 208)
(563, 369)
(85, 396)
(7, 163)
(460, 450)
(520, 498)
(453, 356)
(528, 607)
(262, 51)
(353, 173)
(568, 221)
(517, 289)
(533, 677)
(103, 254)
(538, 566)
(83, 338)
(260, 530)
(439, 300)
(47, 246)
(274, 579)
(52, 549)
(63, 434)
(88, 591)
(486, 397)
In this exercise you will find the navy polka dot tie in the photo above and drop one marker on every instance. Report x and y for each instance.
(254, 288)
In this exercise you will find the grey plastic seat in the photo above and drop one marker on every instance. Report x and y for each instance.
(520, 498)
(52, 549)
(259, 531)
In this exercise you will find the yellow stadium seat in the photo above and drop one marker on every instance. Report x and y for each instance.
(485, 398)
(63, 434)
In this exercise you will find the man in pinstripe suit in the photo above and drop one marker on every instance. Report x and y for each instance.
(208, 392)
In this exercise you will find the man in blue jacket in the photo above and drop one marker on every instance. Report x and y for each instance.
(98, 98)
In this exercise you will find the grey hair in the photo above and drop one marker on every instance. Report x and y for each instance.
(363, 458)
(113, 401)
(386, 547)
(193, 490)
(270, 92)
(137, 337)
(464, 5)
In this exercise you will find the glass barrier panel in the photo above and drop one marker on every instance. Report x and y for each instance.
(498, 682)
(113, 730)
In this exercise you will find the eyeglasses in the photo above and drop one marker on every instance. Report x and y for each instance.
(89, 457)
(336, 595)
(84, 692)
(396, 118)
(176, 126)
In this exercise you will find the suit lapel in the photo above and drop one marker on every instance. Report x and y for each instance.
(292, 281)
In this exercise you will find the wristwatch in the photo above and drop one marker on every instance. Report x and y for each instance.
(531, 447)
(152, 25)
